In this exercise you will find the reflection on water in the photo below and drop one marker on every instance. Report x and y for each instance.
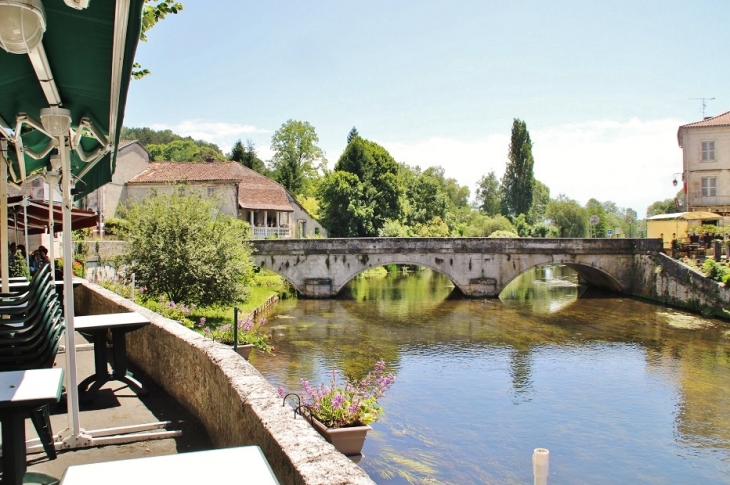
(619, 390)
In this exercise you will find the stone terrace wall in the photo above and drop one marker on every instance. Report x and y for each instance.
(660, 278)
(234, 402)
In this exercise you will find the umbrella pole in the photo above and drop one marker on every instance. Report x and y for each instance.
(72, 389)
(5, 271)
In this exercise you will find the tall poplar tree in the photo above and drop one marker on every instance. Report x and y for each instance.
(518, 180)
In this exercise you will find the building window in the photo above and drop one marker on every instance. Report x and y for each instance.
(709, 186)
(211, 191)
(708, 151)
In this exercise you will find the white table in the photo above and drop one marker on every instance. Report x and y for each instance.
(246, 464)
(119, 324)
(21, 392)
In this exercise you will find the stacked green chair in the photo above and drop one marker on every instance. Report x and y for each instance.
(31, 327)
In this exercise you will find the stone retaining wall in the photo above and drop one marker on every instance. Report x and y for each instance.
(234, 402)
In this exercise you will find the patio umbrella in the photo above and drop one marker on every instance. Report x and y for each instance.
(66, 68)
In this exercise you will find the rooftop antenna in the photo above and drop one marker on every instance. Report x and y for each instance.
(704, 104)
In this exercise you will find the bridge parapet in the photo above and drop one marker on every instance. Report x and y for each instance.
(479, 267)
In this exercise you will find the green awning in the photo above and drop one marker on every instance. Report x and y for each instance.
(79, 46)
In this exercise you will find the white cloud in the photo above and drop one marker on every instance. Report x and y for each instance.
(222, 134)
(630, 163)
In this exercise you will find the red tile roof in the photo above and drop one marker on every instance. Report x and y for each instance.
(255, 191)
(719, 120)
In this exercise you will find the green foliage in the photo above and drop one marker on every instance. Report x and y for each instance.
(489, 195)
(595, 208)
(246, 156)
(116, 226)
(296, 155)
(342, 207)
(716, 271)
(186, 150)
(517, 183)
(362, 193)
(481, 225)
(393, 229)
(353, 133)
(666, 206)
(503, 234)
(425, 197)
(184, 248)
(544, 230)
(436, 227)
(310, 204)
(521, 225)
(540, 200)
(568, 217)
(19, 268)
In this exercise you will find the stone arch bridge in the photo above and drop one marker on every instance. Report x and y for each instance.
(479, 267)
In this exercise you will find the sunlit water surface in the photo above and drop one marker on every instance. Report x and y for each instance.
(619, 390)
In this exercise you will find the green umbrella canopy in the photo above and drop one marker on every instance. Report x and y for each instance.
(79, 48)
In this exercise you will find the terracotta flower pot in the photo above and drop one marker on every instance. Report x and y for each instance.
(348, 441)
(245, 350)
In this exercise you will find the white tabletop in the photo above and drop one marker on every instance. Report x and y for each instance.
(108, 320)
(24, 386)
(229, 465)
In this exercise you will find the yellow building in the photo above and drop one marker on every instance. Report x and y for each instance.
(677, 226)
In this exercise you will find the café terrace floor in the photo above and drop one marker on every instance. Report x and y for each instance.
(116, 405)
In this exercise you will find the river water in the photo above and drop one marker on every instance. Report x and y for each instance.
(619, 390)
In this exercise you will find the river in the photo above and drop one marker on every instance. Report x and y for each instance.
(619, 390)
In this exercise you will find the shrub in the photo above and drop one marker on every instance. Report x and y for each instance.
(115, 226)
(184, 248)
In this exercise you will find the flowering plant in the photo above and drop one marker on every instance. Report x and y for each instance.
(246, 334)
(349, 404)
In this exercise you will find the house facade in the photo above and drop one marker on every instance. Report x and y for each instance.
(242, 192)
(132, 159)
(706, 164)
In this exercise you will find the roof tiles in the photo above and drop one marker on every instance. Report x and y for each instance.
(255, 191)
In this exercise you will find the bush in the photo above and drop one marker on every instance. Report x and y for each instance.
(184, 248)
(501, 233)
(715, 271)
(114, 226)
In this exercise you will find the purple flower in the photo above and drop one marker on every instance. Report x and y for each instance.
(207, 330)
(171, 304)
(202, 321)
(338, 401)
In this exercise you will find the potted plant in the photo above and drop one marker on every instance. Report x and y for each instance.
(343, 410)
(248, 337)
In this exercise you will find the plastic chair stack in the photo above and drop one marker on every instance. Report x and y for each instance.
(31, 326)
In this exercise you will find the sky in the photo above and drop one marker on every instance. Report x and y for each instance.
(602, 86)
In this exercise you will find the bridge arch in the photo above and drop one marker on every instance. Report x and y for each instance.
(395, 261)
(592, 275)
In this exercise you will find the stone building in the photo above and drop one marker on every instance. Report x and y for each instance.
(706, 164)
(243, 193)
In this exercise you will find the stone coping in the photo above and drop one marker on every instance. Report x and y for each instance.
(226, 393)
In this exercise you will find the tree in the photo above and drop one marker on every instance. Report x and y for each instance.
(540, 200)
(362, 193)
(353, 133)
(595, 208)
(296, 155)
(246, 156)
(517, 183)
(665, 206)
(488, 196)
(342, 207)
(185, 249)
(237, 152)
(568, 217)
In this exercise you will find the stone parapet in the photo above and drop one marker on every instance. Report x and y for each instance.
(231, 398)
